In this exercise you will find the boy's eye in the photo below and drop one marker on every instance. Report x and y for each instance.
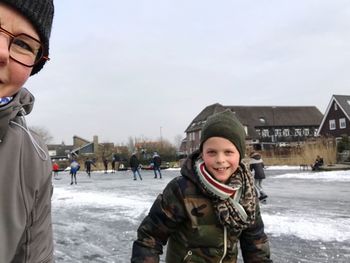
(211, 152)
(22, 45)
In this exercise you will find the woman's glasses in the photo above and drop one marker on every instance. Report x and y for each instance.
(25, 49)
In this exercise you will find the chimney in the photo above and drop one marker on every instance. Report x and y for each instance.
(95, 140)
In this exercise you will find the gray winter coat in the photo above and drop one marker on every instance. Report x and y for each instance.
(25, 187)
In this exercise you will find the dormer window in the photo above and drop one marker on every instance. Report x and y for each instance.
(262, 120)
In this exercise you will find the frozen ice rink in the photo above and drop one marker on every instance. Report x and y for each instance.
(307, 217)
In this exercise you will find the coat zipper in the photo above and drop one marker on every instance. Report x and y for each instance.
(189, 253)
(225, 245)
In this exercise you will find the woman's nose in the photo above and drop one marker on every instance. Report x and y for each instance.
(4, 49)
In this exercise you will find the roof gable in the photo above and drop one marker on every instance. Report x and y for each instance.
(343, 102)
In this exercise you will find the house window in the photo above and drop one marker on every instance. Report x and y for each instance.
(258, 132)
(297, 132)
(306, 132)
(265, 133)
(262, 120)
(335, 106)
(192, 136)
(342, 123)
(285, 132)
(332, 125)
(278, 132)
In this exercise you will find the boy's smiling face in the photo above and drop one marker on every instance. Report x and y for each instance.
(221, 158)
(12, 74)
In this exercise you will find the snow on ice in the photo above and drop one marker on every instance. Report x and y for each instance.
(307, 212)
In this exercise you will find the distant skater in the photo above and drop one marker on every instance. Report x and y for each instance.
(157, 161)
(113, 164)
(55, 169)
(74, 167)
(105, 164)
(257, 165)
(88, 164)
(135, 166)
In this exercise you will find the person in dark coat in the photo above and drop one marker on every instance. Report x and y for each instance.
(257, 165)
(318, 163)
(88, 164)
(105, 164)
(135, 166)
(113, 164)
(157, 161)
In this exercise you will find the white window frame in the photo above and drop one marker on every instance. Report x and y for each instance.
(286, 132)
(342, 123)
(265, 133)
(278, 132)
(332, 125)
(258, 131)
(297, 132)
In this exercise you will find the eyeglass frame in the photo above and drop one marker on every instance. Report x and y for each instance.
(12, 37)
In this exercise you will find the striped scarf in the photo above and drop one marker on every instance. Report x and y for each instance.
(234, 202)
(5, 100)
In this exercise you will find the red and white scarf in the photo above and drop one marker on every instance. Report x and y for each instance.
(234, 202)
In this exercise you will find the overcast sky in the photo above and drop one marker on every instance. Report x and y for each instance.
(146, 68)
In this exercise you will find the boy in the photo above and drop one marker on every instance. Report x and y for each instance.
(25, 166)
(205, 212)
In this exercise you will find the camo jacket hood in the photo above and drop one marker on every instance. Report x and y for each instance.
(183, 217)
(187, 169)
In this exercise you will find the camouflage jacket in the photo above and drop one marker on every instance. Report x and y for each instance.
(184, 217)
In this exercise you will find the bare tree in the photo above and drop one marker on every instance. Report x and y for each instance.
(131, 144)
(43, 133)
(177, 141)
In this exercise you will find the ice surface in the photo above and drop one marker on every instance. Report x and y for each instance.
(306, 213)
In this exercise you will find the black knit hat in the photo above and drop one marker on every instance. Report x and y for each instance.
(40, 14)
(226, 125)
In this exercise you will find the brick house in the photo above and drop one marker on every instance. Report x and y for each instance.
(336, 120)
(265, 126)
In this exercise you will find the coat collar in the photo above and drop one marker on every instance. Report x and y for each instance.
(21, 104)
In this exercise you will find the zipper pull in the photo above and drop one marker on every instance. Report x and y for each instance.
(189, 253)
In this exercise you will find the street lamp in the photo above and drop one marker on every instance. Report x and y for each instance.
(161, 138)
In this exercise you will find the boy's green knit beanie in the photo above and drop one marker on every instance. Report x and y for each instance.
(40, 14)
(226, 125)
